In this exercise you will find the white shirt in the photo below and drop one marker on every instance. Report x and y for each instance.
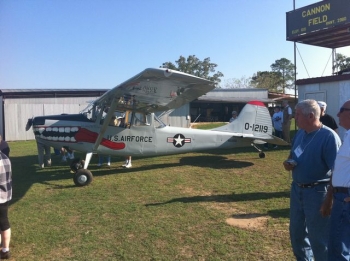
(341, 172)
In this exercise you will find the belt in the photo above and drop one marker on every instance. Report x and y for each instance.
(311, 185)
(341, 190)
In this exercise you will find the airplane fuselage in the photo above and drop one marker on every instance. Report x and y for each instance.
(144, 140)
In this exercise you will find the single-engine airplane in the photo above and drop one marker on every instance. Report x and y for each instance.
(144, 134)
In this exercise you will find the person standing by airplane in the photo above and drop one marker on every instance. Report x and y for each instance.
(100, 160)
(44, 154)
(338, 196)
(66, 153)
(4, 147)
(277, 120)
(287, 118)
(311, 159)
(234, 116)
(5, 197)
(327, 119)
(127, 163)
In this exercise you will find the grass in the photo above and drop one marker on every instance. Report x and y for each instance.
(165, 208)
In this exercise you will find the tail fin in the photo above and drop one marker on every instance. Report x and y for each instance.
(254, 121)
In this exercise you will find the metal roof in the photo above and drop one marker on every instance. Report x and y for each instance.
(334, 78)
(49, 93)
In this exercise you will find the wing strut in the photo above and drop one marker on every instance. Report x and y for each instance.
(106, 121)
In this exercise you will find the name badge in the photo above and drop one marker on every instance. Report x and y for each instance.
(298, 151)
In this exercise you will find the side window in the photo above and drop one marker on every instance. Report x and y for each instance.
(140, 119)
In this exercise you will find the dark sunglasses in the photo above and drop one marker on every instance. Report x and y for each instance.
(343, 109)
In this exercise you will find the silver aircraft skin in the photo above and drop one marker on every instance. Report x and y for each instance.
(95, 130)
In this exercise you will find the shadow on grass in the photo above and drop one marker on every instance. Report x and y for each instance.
(284, 213)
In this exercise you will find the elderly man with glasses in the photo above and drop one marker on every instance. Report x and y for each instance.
(314, 149)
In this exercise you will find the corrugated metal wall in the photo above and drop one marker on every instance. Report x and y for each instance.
(18, 111)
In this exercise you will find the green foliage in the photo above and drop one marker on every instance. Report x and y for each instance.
(192, 65)
(267, 80)
(277, 80)
(176, 207)
(342, 62)
(234, 83)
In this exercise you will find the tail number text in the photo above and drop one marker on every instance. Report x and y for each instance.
(256, 127)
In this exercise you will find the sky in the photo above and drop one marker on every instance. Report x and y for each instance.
(85, 44)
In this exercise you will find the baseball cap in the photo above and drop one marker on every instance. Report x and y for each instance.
(322, 104)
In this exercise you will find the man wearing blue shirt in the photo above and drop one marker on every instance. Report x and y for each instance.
(311, 159)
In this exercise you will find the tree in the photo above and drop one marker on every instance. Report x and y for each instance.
(342, 62)
(277, 80)
(192, 65)
(235, 83)
(286, 69)
(267, 80)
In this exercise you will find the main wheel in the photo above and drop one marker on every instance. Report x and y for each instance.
(82, 177)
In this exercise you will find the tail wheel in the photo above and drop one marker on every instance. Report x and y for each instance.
(82, 177)
(261, 155)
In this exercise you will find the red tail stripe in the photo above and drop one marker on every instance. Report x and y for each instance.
(258, 103)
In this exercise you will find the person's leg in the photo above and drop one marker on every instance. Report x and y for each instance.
(5, 231)
(63, 153)
(109, 160)
(48, 155)
(317, 225)
(100, 161)
(339, 235)
(128, 165)
(5, 239)
(287, 132)
(40, 147)
(297, 229)
(126, 161)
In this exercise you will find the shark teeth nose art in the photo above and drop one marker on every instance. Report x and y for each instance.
(57, 133)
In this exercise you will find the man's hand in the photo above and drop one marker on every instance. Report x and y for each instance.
(288, 165)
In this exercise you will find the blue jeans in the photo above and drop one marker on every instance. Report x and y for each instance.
(339, 236)
(308, 229)
(100, 159)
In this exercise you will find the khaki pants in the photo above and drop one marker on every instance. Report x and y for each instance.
(41, 157)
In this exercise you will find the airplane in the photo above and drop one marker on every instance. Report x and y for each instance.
(98, 130)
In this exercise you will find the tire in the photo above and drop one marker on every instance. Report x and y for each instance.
(82, 177)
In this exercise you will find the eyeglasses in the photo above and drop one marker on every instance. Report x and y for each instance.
(343, 109)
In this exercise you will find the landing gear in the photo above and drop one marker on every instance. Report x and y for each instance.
(82, 177)
(261, 153)
(77, 164)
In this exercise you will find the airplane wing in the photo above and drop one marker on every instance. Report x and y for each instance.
(156, 89)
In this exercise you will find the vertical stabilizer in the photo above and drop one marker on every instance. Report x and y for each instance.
(253, 121)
